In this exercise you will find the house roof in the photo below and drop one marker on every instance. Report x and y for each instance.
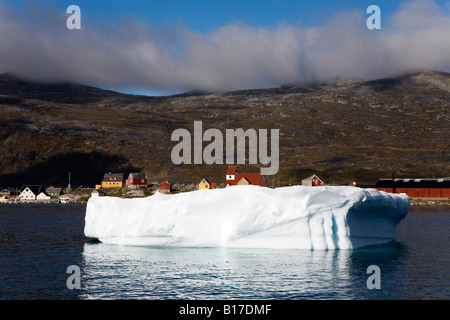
(253, 178)
(113, 176)
(53, 190)
(312, 176)
(164, 185)
(206, 180)
(138, 175)
(44, 193)
(36, 189)
(414, 183)
(231, 170)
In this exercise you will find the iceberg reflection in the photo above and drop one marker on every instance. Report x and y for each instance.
(127, 272)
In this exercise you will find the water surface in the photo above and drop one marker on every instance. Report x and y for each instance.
(39, 242)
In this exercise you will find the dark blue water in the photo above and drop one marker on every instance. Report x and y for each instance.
(39, 242)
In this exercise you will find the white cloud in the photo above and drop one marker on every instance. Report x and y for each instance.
(235, 56)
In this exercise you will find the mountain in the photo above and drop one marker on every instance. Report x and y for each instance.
(343, 130)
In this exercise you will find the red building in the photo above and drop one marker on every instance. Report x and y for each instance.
(233, 177)
(416, 188)
(136, 180)
(164, 187)
(312, 181)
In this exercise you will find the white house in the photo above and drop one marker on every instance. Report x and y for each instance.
(29, 193)
(4, 195)
(97, 193)
(43, 197)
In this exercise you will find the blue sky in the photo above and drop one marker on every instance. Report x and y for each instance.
(170, 46)
(207, 15)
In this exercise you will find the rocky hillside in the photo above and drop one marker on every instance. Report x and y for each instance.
(342, 130)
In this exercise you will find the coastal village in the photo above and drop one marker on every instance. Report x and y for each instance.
(138, 185)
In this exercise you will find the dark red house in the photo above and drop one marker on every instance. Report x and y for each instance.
(416, 187)
(136, 180)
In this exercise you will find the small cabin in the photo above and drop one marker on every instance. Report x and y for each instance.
(43, 197)
(5, 193)
(204, 184)
(98, 193)
(312, 181)
(164, 187)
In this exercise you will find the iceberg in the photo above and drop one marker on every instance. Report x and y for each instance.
(294, 217)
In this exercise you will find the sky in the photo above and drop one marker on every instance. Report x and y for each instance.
(171, 46)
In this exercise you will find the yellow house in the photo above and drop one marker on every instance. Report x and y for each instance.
(112, 180)
(204, 184)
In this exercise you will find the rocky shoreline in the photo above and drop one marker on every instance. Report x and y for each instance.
(83, 200)
(82, 196)
(429, 203)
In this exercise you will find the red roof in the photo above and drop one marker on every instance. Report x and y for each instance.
(253, 178)
(213, 185)
(164, 186)
(231, 170)
(316, 181)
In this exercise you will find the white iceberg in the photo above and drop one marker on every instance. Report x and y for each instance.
(295, 217)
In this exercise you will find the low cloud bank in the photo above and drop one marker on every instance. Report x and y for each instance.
(235, 56)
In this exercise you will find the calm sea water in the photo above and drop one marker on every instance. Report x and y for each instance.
(39, 242)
